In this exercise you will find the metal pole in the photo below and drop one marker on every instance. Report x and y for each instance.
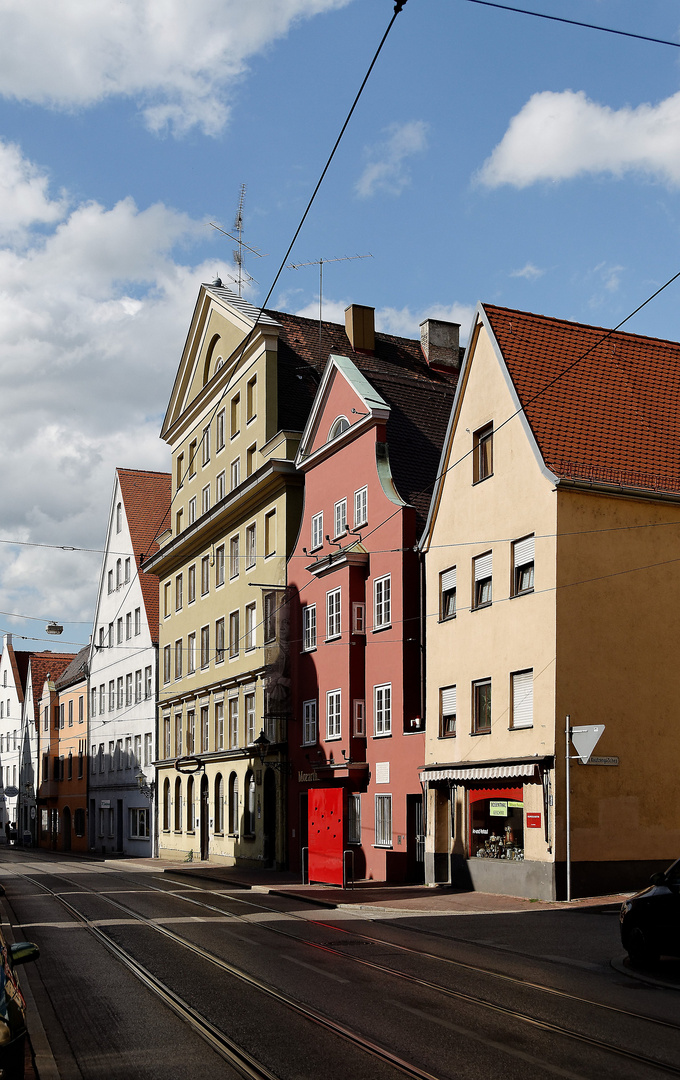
(568, 815)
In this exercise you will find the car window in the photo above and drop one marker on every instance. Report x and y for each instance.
(673, 874)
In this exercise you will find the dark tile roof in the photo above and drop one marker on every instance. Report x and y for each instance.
(419, 396)
(614, 417)
(146, 497)
(44, 664)
(76, 670)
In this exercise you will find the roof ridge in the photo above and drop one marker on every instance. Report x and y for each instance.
(579, 325)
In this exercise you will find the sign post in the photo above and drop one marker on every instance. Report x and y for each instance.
(585, 740)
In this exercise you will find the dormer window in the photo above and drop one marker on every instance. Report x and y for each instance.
(337, 428)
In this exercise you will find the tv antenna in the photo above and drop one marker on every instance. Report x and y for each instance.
(320, 263)
(241, 272)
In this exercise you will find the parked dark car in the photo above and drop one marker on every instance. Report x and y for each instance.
(650, 920)
(13, 1007)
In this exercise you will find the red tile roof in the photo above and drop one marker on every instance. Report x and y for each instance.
(146, 497)
(612, 417)
(43, 664)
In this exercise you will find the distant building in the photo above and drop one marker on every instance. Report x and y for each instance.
(39, 717)
(63, 748)
(13, 670)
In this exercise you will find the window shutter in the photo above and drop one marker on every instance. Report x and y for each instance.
(483, 566)
(448, 579)
(523, 699)
(523, 551)
(448, 694)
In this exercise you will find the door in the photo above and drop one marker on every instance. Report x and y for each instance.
(67, 829)
(205, 817)
(119, 824)
(326, 835)
(415, 838)
(269, 819)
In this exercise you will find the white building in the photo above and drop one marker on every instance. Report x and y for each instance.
(13, 668)
(123, 669)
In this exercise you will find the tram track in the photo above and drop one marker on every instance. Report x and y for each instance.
(460, 995)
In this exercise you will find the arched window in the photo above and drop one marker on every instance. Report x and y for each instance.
(249, 809)
(233, 803)
(178, 805)
(219, 804)
(190, 804)
(208, 358)
(337, 427)
(119, 517)
(166, 805)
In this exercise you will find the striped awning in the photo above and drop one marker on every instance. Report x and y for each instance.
(486, 772)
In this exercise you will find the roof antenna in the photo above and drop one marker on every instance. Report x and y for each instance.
(319, 263)
(241, 273)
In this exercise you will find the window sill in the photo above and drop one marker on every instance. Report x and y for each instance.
(312, 648)
(520, 727)
(475, 733)
(332, 738)
(316, 548)
(446, 618)
(480, 607)
(383, 847)
(383, 626)
(524, 592)
(482, 479)
(335, 637)
(382, 735)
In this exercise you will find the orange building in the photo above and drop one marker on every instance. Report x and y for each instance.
(63, 763)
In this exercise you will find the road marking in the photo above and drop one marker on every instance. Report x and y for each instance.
(313, 967)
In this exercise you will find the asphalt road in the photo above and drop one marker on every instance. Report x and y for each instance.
(145, 976)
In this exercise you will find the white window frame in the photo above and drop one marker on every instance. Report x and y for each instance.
(382, 710)
(383, 821)
(234, 556)
(251, 624)
(382, 602)
(361, 507)
(333, 614)
(235, 474)
(309, 627)
(317, 531)
(340, 517)
(251, 545)
(333, 714)
(220, 486)
(522, 697)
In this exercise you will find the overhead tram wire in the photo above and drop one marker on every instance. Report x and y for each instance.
(575, 22)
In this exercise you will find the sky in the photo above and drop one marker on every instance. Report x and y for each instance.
(493, 156)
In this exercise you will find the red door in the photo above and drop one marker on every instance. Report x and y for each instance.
(325, 835)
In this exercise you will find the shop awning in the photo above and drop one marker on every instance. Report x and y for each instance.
(485, 772)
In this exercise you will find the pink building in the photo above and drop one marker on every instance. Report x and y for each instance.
(369, 453)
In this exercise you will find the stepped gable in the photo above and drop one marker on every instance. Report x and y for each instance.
(76, 670)
(420, 398)
(614, 417)
(146, 497)
(42, 665)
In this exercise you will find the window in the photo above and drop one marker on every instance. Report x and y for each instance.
(249, 704)
(523, 566)
(205, 575)
(128, 752)
(383, 821)
(308, 723)
(235, 474)
(138, 685)
(333, 614)
(354, 819)
(138, 621)
(250, 459)
(382, 608)
(166, 805)
(119, 573)
(360, 507)
(178, 659)
(482, 453)
(219, 803)
(251, 546)
(234, 556)
(382, 710)
(482, 571)
(191, 731)
(220, 486)
(179, 521)
(193, 446)
(128, 690)
(205, 499)
(191, 584)
(233, 635)
(139, 823)
(191, 654)
(101, 637)
(233, 804)
(127, 570)
(70, 711)
(179, 471)
(317, 531)
(166, 663)
(178, 592)
(110, 636)
(119, 517)
(359, 618)
(333, 728)
(250, 626)
(447, 712)
(251, 399)
(205, 646)
(205, 728)
(192, 510)
(219, 430)
(102, 702)
(205, 446)
(249, 808)
(148, 743)
(112, 695)
(219, 725)
(128, 626)
(269, 622)
(447, 594)
(119, 754)
(219, 566)
(179, 750)
(233, 723)
(522, 698)
(178, 805)
(119, 692)
(235, 415)
(337, 428)
(219, 641)
(166, 736)
(309, 626)
(360, 718)
(340, 517)
(481, 704)
(270, 534)
(119, 630)
(147, 682)
(110, 581)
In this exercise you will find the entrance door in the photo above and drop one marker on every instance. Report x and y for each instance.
(67, 829)
(205, 817)
(269, 819)
(326, 835)
(119, 824)
(415, 838)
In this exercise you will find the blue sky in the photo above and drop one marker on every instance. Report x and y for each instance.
(493, 156)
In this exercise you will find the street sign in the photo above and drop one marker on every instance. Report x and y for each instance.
(585, 740)
(603, 760)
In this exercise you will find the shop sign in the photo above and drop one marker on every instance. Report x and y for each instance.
(515, 805)
(307, 777)
(498, 808)
(105, 804)
(533, 821)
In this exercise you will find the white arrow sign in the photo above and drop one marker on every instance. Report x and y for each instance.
(585, 740)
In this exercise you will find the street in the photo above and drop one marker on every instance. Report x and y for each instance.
(154, 975)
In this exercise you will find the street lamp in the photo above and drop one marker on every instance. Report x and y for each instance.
(54, 627)
(262, 743)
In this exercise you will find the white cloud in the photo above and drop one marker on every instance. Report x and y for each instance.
(557, 136)
(386, 170)
(402, 322)
(529, 272)
(177, 59)
(93, 316)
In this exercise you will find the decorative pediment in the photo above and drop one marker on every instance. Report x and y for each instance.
(345, 403)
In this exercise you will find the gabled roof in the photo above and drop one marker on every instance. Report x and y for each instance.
(371, 401)
(419, 397)
(76, 670)
(43, 664)
(614, 417)
(146, 498)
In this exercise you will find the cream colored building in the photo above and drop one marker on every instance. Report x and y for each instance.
(553, 587)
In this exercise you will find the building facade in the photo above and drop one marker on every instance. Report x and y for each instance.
(63, 750)
(13, 672)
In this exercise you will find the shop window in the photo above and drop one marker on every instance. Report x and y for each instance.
(523, 566)
(447, 594)
(497, 824)
(482, 453)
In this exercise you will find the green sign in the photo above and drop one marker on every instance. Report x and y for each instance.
(498, 808)
(515, 805)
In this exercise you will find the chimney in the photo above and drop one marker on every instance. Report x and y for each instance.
(360, 327)
(439, 341)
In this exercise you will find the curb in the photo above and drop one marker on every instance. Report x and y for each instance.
(624, 967)
(265, 889)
